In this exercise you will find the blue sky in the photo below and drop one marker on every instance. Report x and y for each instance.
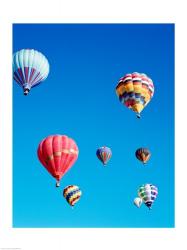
(78, 99)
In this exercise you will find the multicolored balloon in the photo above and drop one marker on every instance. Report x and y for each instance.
(57, 153)
(148, 194)
(143, 154)
(30, 68)
(135, 91)
(104, 154)
(138, 202)
(72, 194)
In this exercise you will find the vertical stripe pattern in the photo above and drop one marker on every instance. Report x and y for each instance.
(148, 194)
(104, 154)
(143, 154)
(30, 68)
(57, 153)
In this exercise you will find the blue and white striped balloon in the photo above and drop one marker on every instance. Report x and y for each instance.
(30, 68)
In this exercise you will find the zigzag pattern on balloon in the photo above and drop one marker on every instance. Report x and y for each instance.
(143, 154)
(72, 194)
(135, 91)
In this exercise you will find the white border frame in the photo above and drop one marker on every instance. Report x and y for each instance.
(83, 11)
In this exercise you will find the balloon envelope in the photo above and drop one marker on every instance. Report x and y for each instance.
(135, 91)
(138, 202)
(143, 154)
(57, 153)
(30, 68)
(148, 194)
(72, 194)
(104, 154)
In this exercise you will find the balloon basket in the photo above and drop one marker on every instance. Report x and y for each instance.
(26, 91)
(58, 184)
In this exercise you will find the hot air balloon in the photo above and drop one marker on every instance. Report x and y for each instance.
(135, 91)
(138, 202)
(30, 68)
(72, 194)
(148, 194)
(104, 154)
(57, 153)
(143, 154)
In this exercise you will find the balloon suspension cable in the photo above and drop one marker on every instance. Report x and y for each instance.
(58, 184)
(149, 207)
(26, 91)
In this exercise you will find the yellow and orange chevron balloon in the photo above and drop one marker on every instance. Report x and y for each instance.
(135, 91)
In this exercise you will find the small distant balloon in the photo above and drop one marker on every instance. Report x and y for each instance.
(138, 202)
(104, 154)
(148, 193)
(143, 154)
(30, 68)
(72, 194)
(135, 91)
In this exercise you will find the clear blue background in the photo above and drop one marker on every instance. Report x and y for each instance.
(78, 99)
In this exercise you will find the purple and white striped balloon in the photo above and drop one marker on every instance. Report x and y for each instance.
(30, 68)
